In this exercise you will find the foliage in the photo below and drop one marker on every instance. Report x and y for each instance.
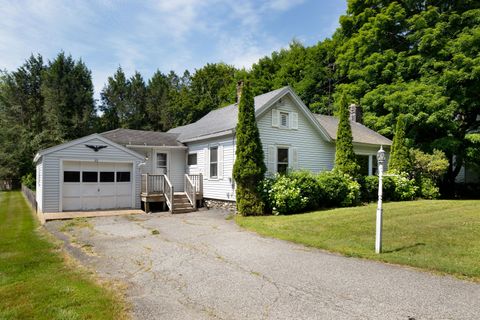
(427, 188)
(440, 235)
(398, 187)
(249, 167)
(432, 166)
(37, 282)
(399, 156)
(300, 191)
(345, 159)
(28, 180)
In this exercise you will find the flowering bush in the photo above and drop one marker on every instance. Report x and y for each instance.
(397, 187)
(337, 189)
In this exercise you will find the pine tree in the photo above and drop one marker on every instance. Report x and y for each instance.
(249, 168)
(400, 156)
(345, 159)
(114, 101)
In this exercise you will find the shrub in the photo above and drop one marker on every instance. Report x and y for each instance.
(291, 193)
(29, 181)
(428, 189)
(395, 188)
(337, 189)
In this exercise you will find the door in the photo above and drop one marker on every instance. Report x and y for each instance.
(92, 185)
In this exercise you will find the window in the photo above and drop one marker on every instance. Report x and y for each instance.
(374, 165)
(284, 119)
(161, 160)
(213, 162)
(123, 176)
(89, 176)
(192, 159)
(71, 176)
(282, 160)
(107, 176)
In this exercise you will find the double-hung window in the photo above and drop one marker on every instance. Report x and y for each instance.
(213, 162)
(282, 160)
(284, 119)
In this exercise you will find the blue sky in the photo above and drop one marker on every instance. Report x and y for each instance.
(165, 35)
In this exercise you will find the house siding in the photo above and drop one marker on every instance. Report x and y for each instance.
(314, 152)
(221, 188)
(78, 152)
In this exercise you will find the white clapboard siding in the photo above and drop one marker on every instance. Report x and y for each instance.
(78, 152)
(314, 153)
(222, 187)
(39, 186)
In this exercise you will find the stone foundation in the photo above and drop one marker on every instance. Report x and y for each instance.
(229, 206)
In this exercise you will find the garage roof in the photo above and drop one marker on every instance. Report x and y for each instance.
(142, 138)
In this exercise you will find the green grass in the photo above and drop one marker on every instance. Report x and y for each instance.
(436, 235)
(37, 281)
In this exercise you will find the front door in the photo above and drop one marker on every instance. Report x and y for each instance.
(161, 163)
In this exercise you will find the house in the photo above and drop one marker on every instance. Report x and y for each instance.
(123, 168)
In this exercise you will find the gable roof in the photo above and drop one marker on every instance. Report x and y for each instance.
(144, 138)
(59, 147)
(360, 133)
(223, 121)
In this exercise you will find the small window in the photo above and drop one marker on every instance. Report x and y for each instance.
(161, 160)
(123, 176)
(89, 176)
(71, 176)
(107, 176)
(192, 159)
(282, 160)
(284, 119)
(213, 162)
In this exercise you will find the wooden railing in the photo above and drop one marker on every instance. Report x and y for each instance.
(168, 192)
(153, 183)
(197, 180)
(190, 191)
(30, 196)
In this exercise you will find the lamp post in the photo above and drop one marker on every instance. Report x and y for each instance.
(378, 234)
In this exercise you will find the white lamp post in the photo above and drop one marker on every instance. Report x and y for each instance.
(378, 235)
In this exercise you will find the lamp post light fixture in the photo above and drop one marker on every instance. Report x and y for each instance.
(378, 234)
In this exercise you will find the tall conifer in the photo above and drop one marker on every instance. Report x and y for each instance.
(249, 168)
(345, 159)
(400, 156)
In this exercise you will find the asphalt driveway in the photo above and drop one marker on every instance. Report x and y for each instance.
(203, 266)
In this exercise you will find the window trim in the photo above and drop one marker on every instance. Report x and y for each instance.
(288, 158)
(166, 160)
(210, 162)
(287, 117)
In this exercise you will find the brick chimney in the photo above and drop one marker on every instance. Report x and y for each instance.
(355, 113)
(239, 90)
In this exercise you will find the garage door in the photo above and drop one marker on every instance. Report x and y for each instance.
(92, 186)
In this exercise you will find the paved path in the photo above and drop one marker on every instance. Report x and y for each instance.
(202, 266)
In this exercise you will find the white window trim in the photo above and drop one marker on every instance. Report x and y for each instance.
(276, 156)
(287, 114)
(209, 162)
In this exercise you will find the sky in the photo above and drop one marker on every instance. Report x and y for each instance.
(164, 35)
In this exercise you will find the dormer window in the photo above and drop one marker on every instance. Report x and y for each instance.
(284, 119)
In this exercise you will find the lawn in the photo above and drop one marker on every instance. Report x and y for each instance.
(436, 235)
(36, 281)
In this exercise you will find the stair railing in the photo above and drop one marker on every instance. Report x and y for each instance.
(168, 192)
(190, 191)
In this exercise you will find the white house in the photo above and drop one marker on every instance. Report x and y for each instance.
(122, 168)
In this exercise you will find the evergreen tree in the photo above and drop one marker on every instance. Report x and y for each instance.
(249, 168)
(114, 102)
(68, 92)
(158, 91)
(345, 159)
(136, 101)
(400, 155)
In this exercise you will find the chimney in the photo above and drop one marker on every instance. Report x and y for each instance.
(239, 90)
(355, 113)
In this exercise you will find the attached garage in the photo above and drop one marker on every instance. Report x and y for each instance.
(91, 173)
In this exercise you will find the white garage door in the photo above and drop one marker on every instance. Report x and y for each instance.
(92, 186)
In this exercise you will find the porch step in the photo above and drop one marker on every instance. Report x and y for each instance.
(181, 204)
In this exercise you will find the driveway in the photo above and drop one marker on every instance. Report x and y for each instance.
(203, 266)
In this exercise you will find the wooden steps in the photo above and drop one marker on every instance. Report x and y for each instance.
(181, 204)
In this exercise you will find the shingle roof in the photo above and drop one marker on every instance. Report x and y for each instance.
(219, 120)
(140, 137)
(361, 134)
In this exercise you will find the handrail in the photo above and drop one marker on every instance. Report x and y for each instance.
(168, 192)
(197, 180)
(152, 183)
(190, 191)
